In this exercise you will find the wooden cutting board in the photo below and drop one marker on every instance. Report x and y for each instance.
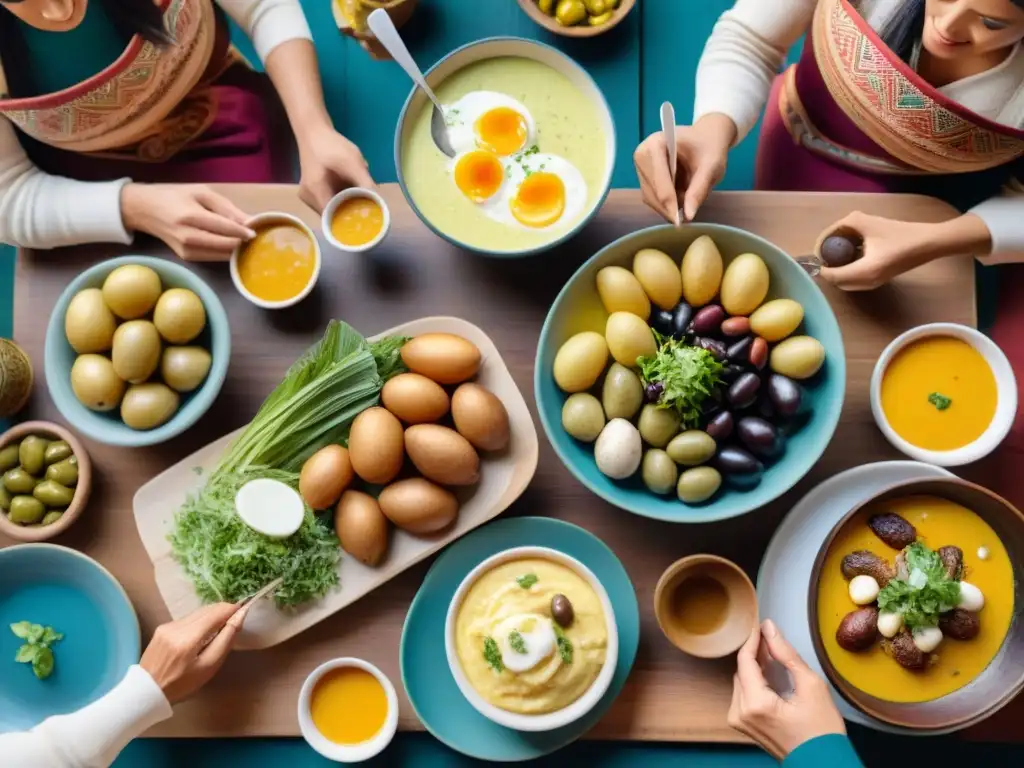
(669, 696)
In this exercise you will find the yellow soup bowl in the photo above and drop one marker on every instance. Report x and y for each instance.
(280, 266)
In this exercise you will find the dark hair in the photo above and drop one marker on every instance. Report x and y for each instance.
(907, 25)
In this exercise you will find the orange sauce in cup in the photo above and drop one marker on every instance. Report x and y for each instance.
(357, 221)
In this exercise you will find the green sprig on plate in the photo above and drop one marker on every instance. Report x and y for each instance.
(36, 648)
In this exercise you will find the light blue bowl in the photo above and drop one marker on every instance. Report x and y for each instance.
(58, 587)
(490, 48)
(107, 427)
(578, 308)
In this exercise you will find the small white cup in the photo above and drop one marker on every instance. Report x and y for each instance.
(332, 207)
(264, 219)
(1006, 395)
(551, 720)
(347, 753)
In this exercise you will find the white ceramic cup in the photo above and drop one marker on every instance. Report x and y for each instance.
(347, 753)
(550, 720)
(332, 207)
(262, 220)
(1006, 400)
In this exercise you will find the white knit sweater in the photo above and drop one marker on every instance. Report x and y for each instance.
(38, 210)
(748, 46)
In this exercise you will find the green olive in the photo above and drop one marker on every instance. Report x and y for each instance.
(64, 472)
(53, 494)
(25, 510)
(52, 516)
(595, 7)
(691, 447)
(597, 21)
(9, 457)
(582, 417)
(622, 393)
(32, 453)
(5, 498)
(698, 484)
(659, 471)
(570, 12)
(546, 6)
(658, 425)
(56, 451)
(19, 481)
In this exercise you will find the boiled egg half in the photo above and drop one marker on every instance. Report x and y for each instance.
(270, 507)
(491, 121)
(525, 640)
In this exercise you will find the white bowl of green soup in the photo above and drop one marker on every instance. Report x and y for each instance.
(534, 142)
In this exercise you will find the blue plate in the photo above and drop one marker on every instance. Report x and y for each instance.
(58, 587)
(429, 683)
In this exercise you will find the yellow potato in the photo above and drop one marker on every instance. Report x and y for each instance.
(775, 320)
(629, 338)
(620, 291)
(580, 361)
(744, 284)
(798, 357)
(701, 271)
(660, 277)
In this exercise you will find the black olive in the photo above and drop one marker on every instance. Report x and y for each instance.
(740, 351)
(760, 437)
(731, 372)
(838, 251)
(720, 426)
(786, 395)
(765, 407)
(743, 391)
(739, 467)
(681, 319)
(661, 321)
(562, 611)
(652, 392)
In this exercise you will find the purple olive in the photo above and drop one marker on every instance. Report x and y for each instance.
(743, 391)
(739, 352)
(708, 320)
(760, 437)
(714, 346)
(653, 390)
(731, 372)
(736, 326)
(838, 251)
(786, 395)
(661, 321)
(681, 317)
(739, 466)
(720, 426)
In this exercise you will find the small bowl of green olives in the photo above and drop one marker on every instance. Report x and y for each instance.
(577, 18)
(45, 480)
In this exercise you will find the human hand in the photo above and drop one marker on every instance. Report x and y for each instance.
(181, 658)
(330, 163)
(197, 223)
(780, 725)
(893, 247)
(702, 150)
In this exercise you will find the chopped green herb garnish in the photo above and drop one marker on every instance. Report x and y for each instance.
(36, 648)
(492, 655)
(527, 580)
(921, 605)
(516, 642)
(941, 402)
(564, 644)
(197, 470)
(687, 376)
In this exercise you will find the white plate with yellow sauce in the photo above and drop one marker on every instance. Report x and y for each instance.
(280, 266)
(783, 579)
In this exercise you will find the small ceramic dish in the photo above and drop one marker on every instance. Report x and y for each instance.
(551, 24)
(724, 635)
(550, 720)
(82, 488)
(262, 220)
(1006, 403)
(347, 753)
(332, 207)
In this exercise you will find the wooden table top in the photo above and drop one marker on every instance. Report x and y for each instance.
(669, 696)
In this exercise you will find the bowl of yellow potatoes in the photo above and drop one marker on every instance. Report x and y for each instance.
(577, 18)
(137, 349)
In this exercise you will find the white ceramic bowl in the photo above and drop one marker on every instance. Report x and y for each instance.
(332, 207)
(550, 720)
(496, 47)
(347, 753)
(263, 219)
(1006, 401)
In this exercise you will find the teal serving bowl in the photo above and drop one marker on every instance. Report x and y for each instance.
(500, 47)
(107, 427)
(578, 308)
(60, 588)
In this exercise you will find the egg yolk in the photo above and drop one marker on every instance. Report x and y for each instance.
(540, 200)
(478, 174)
(501, 130)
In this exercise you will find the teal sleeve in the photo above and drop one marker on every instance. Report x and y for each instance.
(833, 750)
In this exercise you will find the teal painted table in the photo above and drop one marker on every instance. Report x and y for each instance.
(651, 57)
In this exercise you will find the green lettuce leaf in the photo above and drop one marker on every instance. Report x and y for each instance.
(921, 607)
(688, 375)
